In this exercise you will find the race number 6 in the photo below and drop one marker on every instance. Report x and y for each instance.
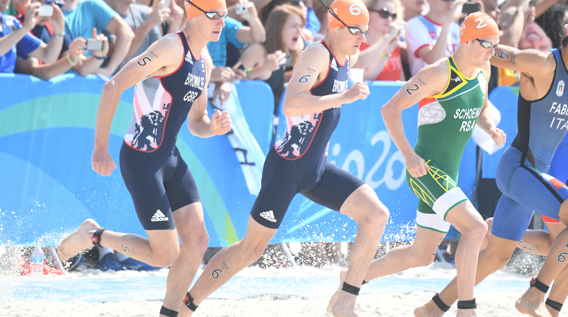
(304, 79)
(354, 9)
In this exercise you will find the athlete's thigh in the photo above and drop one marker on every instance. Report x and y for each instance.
(179, 183)
(427, 240)
(426, 218)
(144, 181)
(437, 189)
(511, 219)
(189, 221)
(279, 186)
(554, 229)
(335, 187)
(462, 215)
(558, 166)
(537, 191)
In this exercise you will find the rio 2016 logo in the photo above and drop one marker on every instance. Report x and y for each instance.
(389, 178)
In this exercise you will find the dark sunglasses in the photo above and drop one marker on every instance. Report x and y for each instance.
(448, 0)
(486, 44)
(385, 14)
(352, 29)
(211, 15)
(297, 2)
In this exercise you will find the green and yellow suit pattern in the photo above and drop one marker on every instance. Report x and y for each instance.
(445, 125)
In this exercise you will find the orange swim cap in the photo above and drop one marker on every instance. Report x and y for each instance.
(205, 5)
(351, 12)
(477, 25)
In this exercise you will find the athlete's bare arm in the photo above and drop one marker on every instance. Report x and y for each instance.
(485, 120)
(161, 58)
(310, 69)
(197, 120)
(429, 81)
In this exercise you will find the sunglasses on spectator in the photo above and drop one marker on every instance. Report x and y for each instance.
(486, 44)
(211, 15)
(297, 2)
(385, 14)
(352, 29)
(448, 0)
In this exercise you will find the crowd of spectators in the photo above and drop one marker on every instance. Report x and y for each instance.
(264, 41)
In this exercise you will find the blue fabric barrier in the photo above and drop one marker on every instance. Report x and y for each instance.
(49, 188)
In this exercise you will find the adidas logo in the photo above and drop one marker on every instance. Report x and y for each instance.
(159, 216)
(334, 65)
(268, 215)
(188, 59)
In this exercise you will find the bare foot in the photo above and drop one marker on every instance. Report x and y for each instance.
(430, 309)
(335, 296)
(532, 303)
(345, 306)
(78, 240)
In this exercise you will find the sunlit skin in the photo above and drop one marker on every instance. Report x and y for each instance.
(376, 21)
(480, 56)
(292, 31)
(350, 43)
(534, 37)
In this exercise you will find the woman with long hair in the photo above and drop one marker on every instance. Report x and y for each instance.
(268, 61)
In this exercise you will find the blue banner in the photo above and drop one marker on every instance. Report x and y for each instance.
(49, 188)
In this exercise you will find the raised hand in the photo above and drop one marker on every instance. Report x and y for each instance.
(358, 91)
(221, 122)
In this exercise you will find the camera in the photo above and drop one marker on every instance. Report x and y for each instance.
(94, 45)
(470, 7)
(241, 9)
(45, 10)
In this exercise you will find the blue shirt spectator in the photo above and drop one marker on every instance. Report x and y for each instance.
(312, 22)
(218, 50)
(25, 46)
(88, 14)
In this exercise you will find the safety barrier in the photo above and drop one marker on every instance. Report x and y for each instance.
(48, 187)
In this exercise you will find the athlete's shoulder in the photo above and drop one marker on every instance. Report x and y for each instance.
(435, 76)
(315, 54)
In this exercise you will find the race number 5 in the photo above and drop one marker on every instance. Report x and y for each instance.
(354, 9)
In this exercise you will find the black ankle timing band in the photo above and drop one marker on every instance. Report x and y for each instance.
(467, 304)
(168, 312)
(350, 289)
(188, 301)
(539, 285)
(555, 305)
(441, 305)
(96, 239)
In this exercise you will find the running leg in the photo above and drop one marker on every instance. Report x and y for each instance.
(229, 262)
(467, 221)
(371, 216)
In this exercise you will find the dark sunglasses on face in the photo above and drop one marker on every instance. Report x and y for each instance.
(486, 44)
(211, 15)
(297, 2)
(448, 0)
(385, 14)
(352, 29)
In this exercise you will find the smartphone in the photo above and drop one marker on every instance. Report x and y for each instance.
(532, 3)
(241, 9)
(58, 3)
(288, 61)
(45, 10)
(94, 45)
(470, 7)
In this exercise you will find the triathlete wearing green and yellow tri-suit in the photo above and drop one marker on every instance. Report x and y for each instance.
(445, 124)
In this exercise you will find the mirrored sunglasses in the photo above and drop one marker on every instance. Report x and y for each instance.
(486, 44)
(211, 15)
